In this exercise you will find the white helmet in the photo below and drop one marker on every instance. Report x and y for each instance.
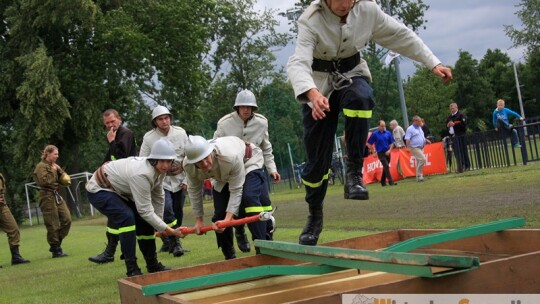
(160, 110)
(245, 98)
(162, 149)
(197, 149)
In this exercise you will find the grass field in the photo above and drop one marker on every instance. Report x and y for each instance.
(445, 201)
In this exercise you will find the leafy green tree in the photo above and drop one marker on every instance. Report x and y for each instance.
(244, 44)
(529, 76)
(474, 95)
(528, 36)
(496, 67)
(429, 98)
(242, 59)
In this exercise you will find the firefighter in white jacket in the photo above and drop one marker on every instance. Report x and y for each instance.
(329, 76)
(236, 170)
(174, 181)
(251, 127)
(130, 193)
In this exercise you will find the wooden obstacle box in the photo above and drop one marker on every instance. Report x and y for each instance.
(483, 259)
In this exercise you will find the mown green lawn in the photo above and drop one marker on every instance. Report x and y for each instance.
(445, 201)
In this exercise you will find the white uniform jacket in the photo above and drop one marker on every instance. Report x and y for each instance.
(135, 179)
(178, 137)
(228, 167)
(321, 35)
(255, 131)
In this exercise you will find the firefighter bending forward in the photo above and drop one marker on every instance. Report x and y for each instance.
(129, 192)
(238, 184)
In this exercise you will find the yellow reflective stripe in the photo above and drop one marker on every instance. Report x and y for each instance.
(146, 237)
(318, 184)
(255, 209)
(173, 223)
(121, 229)
(357, 113)
(267, 208)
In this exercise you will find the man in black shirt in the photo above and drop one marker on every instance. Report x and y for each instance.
(457, 127)
(121, 145)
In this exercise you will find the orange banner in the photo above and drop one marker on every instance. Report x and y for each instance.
(403, 164)
(373, 167)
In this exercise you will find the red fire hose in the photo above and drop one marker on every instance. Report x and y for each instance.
(263, 216)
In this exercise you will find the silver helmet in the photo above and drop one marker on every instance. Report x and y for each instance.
(162, 149)
(245, 98)
(197, 149)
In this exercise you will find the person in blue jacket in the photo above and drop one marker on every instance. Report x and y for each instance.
(501, 121)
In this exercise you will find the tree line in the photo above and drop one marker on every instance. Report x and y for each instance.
(63, 62)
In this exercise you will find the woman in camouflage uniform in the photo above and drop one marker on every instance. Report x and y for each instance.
(55, 212)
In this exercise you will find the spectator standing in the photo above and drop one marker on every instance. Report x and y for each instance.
(398, 133)
(49, 177)
(121, 145)
(415, 142)
(457, 128)
(381, 142)
(427, 132)
(10, 227)
(173, 183)
(328, 77)
(501, 120)
(251, 127)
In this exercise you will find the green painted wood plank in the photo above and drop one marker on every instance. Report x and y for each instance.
(451, 235)
(401, 258)
(414, 270)
(236, 275)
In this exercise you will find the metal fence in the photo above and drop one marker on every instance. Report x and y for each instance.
(493, 149)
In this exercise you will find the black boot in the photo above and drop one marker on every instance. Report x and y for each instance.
(108, 254)
(166, 244)
(175, 246)
(229, 253)
(57, 251)
(225, 241)
(354, 187)
(242, 239)
(314, 227)
(16, 258)
(152, 264)
(132, 267)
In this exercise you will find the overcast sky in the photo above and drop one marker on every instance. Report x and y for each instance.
(469, 25)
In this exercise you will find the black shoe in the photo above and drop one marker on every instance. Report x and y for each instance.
(157, 267)
(354, 188)
(57, 252)
(166, 245)
(229, 253)
(393, 184)
(101, 258)
(242, 241)
(312, 230)
(384, 185)
(132, 268)
(152, 265)
(16, 258)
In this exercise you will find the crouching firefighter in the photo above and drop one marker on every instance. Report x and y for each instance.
(130, 193)
(236, 168)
